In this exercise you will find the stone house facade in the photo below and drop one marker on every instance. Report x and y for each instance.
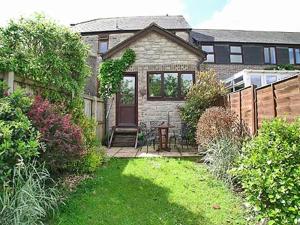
(161, 45)
(155, 52)
(169, 47)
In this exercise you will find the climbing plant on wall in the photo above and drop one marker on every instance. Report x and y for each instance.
(51, 55)
(111, 73)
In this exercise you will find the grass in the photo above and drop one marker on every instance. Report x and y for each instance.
(151, 191)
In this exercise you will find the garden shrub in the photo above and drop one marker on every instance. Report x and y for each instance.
(111, 73)
(52, 55)
(218, 122)
(207, 92)
(221, 156)
(19, 140)
(270, 172)
(63, 139)
(91, 161)
(88, 127)
(30, 198)
(3, 89)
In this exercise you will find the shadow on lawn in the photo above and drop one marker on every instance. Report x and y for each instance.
(113, 198)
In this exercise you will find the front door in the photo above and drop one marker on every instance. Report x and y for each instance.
(127, 102)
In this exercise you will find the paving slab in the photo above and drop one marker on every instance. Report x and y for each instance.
(129, 152)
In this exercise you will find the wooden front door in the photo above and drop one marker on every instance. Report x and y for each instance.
(127, 102)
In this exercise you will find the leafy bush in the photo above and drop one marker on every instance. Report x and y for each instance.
(45, 52)
(221, 156)
(205, 93)
(62, 138)
(111, 73)
(30, 198)
(88, 127)
(91, 161)
(3, 89)
(19, 140)
(218, 122)
(270, 172)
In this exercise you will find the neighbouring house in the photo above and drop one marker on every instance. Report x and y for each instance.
(169, 53)
(230, 51)
(257, 78)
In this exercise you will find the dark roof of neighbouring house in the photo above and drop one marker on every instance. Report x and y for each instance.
(153, 27)
(131, 23)
(272, 37)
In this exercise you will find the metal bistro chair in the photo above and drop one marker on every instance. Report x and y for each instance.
(149, 135)
(184, 135)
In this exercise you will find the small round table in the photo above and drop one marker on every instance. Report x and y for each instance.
(163, 132)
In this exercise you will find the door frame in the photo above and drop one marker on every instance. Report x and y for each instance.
(129, 74)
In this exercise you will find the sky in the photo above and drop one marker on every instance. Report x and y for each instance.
(275, 15)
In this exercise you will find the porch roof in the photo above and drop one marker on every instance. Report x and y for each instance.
(155, 28)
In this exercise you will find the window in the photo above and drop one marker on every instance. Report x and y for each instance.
(270, 55)
(294, 55)
(103, 44)
(256, 80)
(209, 49)
(169, 85)
(154, 85)
(186, 81)
(236, 54)
(271, 79)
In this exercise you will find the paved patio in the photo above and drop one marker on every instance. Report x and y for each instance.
(130, 152)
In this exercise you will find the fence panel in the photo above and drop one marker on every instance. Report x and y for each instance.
(265, 104)
(93, 106)
(287, 96)
(94, 109)
(280, 99)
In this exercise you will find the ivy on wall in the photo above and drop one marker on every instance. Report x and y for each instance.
(52, 55)
(111, 73)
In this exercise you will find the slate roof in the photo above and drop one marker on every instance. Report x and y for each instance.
(272, 37)
(131, 23)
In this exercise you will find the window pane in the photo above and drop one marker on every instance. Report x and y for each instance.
(273, 55)
(103, 46)
(236, 59)
(186, 83)
(171, 84)
(128, 91)
(267, 55)
(235, 49)
(208, 48)
(210, 58)
(154, 85)
(256, 80)
(291, 56)
(297, 53)
(271, 79)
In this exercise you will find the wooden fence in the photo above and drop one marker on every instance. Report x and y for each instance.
(93, 106)
(280, 99)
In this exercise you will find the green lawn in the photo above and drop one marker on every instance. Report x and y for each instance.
(151, 192)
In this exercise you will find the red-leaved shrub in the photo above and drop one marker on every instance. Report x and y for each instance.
(218, 122)
(63, 139)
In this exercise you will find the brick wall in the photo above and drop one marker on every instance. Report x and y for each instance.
(225, 71)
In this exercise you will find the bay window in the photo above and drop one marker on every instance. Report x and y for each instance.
(169, 85)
